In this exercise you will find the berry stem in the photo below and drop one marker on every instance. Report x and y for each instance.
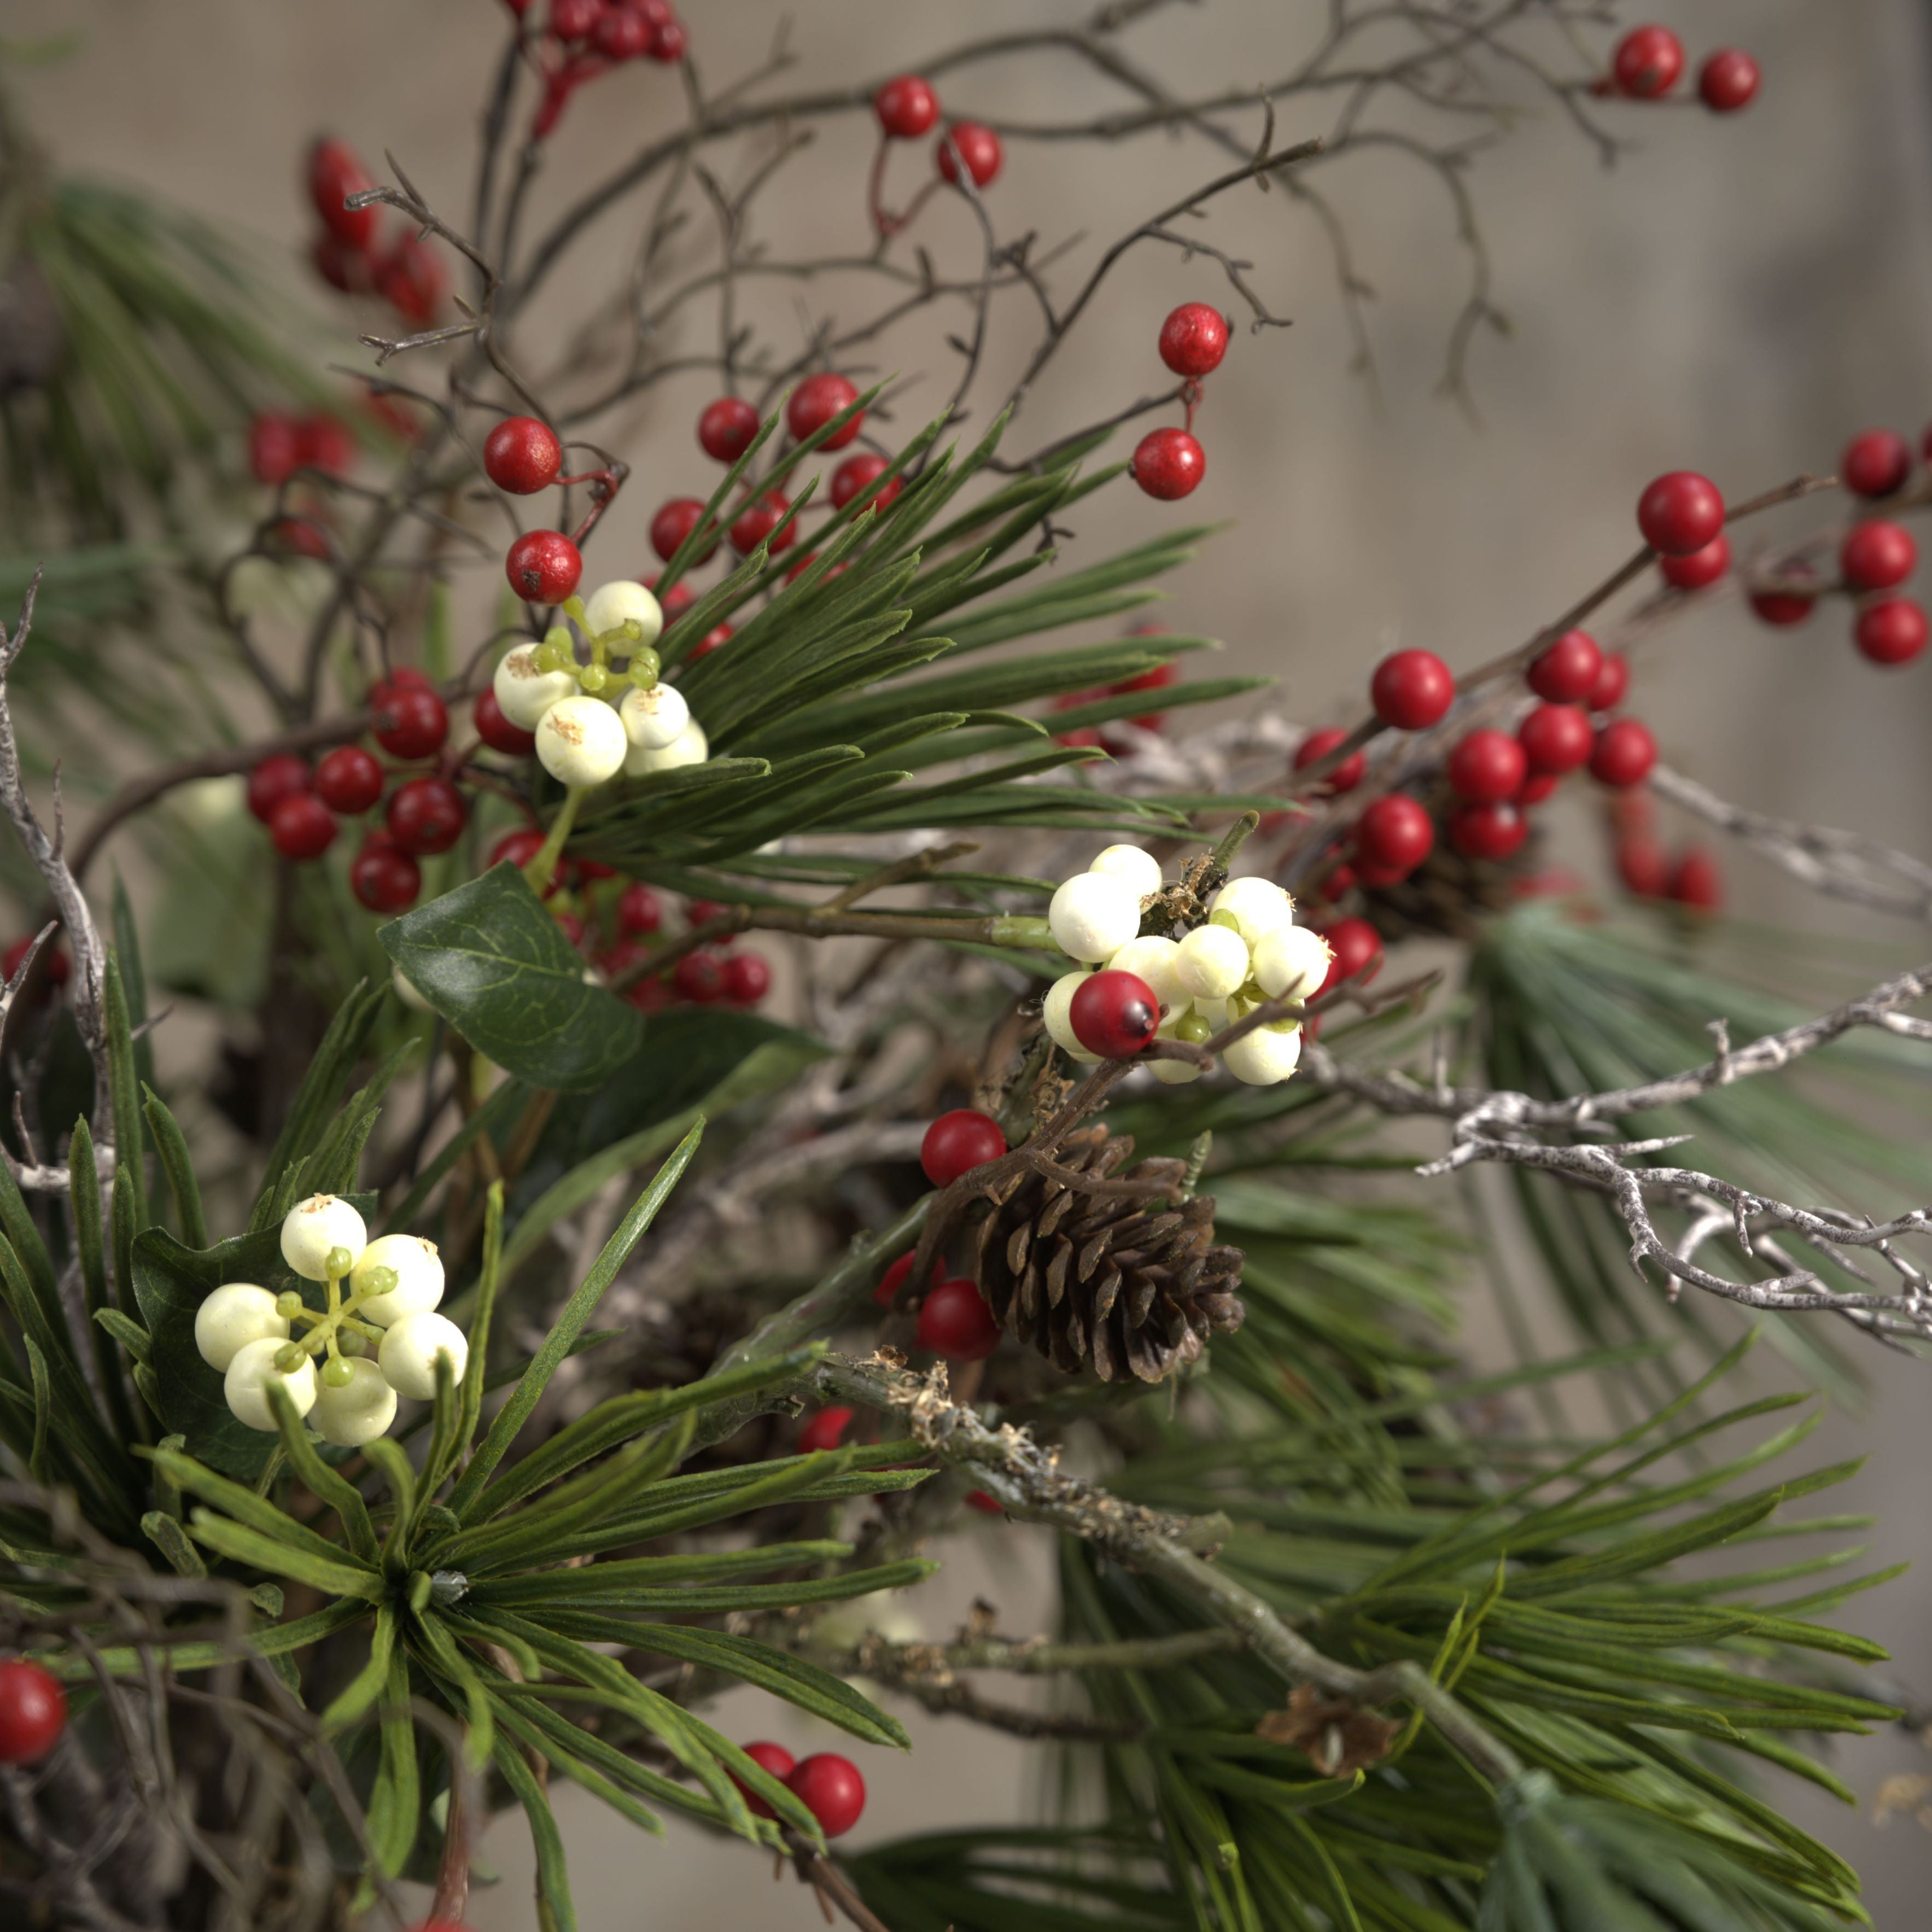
(537, 872)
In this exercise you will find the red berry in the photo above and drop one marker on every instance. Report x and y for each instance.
(674, 521)
(55, 966)
(1487, 767)
(276, 777)
(1892, 632)
(679, 597)
(1695, 881)
(1318, 744)
(759, 519)
(668, 41)
(773, 1758)
(1168, 463)
(978, 147)
(747, 979)
(1625, 753)
(574, 19)
(323, 443)
(1613, 681)
(570, 925)
(411, 279)
(1680, 513)
(1114, 1014)
(831, 1789)
(1159, 679)
(349, 780)
(411, 720)
(302, 826)
(978, 1499)
(1193, 339)
(1394, 835)
(1339, 882)
(522, 455)
(1647, 62)
(1536, 788)
(274, 448)
(385, 880)
(543, 566)
(1566, 670)
(517, 847)
(1642, 868)
(955, 1322)
(1412, 690)
(816, 401)
(1555, 738)
(1487, 831)
(857, 474)
(890, 1282)
(621, 35)
(1358, 948)
(497, 732)
(299, 537)
(426, 815)
(33, 1714)
(1785, 608)
(906, 107)
(1875, 463)
(334, 174)
(822, 1431)
(341, 264)
(1702, 567)
(1877, 556)
(702, 912)
(726, 428)
(1728, 80)
(699, 978)
(958, 1142)
(639, 910)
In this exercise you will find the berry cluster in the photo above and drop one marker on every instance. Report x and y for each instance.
(349, 254)
(381, 1341)
(907, 108)
(1691, 878)
(1648, 62)
(1169, 463)
(828, 1786)
(582, 39)
(1110, 735)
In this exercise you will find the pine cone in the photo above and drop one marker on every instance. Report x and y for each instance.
(1133, 1284)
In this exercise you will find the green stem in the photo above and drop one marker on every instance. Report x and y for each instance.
(538, 872)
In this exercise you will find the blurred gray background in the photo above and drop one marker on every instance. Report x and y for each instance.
(1736, 296)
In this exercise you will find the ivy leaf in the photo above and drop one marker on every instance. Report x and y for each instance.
(493, 963)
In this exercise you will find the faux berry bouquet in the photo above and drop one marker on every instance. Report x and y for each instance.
(538, 1307)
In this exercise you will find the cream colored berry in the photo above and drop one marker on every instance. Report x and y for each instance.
(690, 747)
(655, 718)
(1093, 915)
(1258, 907)
(418, 1272)
(235, 1314)
(611, 606)
(1267, 1054)
(1132, 866)
(408, 1355)
(359, 1411)
(1152, 959)
(313, 1228)
(1054, 1016)
(1212, 961)
(580, 741)
(405, 990)
(249, 1375)
(1173, 1072)
(523, 693)
(1291, 964)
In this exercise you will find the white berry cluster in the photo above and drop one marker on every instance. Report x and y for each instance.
(378, 1341)
(1249, 950)
(591, 720)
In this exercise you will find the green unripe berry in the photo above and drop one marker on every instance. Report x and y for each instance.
(288, 1304)
(1220, 915)
(645, 668)
(351, 1341)
(289, 1357)
(336, 1373)
(381, 1280)
(339, 1260)
(1194, 1028)
(593, 677)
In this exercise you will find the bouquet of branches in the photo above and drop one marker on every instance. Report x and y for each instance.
(493, 1337)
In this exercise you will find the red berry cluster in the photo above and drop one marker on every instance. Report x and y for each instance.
(1691, 878)
(1169, 463)
(906, 108)
(280, 444)
(581, 40)
(623, 922)
(829, 1786)
(1648, 62)
(1110, 735)
(349, 254)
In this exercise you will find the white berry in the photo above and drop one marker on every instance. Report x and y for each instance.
(523, 693)
(1269, 1054)
(315, 1226)
(1128, 863)
(418, 1272)
(250, 1374)
(1054, 1016)
(235, 1314)
(1093, 915)
(1257, 906)
(405, 990)
(655, 718)
(580, 741)
(690, 747)
(1212, 961)
(409, 1352)
(1152, 959)
(611, 605)
(358, 1412)
(1291, 964)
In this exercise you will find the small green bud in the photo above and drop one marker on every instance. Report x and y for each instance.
(338, 1261)
(289, 1357)
(351, 1341)
(288, 1304)
(1193, 1028)
(593, 677)
(645, 668)
(1220, 915)
(381, 1280)
(336, 1373)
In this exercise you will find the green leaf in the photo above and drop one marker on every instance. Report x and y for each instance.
(341, 1047)
(358, 1697)
(556, 1911)
(123, 1088)
(171, 1145)
(396, 1798)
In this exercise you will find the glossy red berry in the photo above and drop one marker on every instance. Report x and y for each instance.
(426, 815)
(323, 443)
(1784, 607)
(955, 1322)
(497, 732)
(958, 1142)
(1728, 80)
(1875, 463)
(1411, 690)
(674, 521)
(349, 780)
(274, 448)
(977, 146)
(1642, 868)
(517, 848)
(699, 977)
(1680, 513)
(669, 41)
(1877, 556)
(906, 107)
(1114, 1014)
(621, 35)
(1394, 835)
(639, 910)
(1625, 753)
(1318, 744)
(727, 427)
(1357, 950)
(1696, 881)
(1168, 463)
(334, 174)
(1193, 339)
(773, 1758)
(759, 521)
(1564, 671)
(1159, 678)
(1536, 788)
(747, 979)
(822, 1431)
(1701, 568)
(411, 720)
(1647, 62)
(1892, 632)
(276, 777)
(1339, 884)
(1493, 832)
(341, 264)
(385, 880)
(1487, 767)
(702, 912)
(892, 1280)
(831, 1789)
(574, 19)
(1613, 681)
(302, 826)
(543, 566)
(857, 474)
(816, 401)
(679, 597)
(1555, 738)
(33, 1713)
(411, 279)
(522, 455)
